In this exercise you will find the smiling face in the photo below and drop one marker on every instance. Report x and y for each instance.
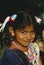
(25, 36)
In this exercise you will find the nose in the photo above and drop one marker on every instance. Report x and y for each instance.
(29, 36)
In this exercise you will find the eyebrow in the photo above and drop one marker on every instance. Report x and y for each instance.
(21, 29)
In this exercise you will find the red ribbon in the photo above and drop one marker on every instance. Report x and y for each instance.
(10, 20)
(28, 10)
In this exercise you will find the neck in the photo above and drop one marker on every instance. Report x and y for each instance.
(18, 46)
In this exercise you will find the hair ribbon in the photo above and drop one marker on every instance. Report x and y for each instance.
(8, 19)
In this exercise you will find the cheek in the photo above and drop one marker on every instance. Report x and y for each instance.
(19, 37)
(33, 36)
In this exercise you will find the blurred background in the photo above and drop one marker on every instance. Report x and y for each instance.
(9, 7)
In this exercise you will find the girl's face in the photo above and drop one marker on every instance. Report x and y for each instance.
(25, 36)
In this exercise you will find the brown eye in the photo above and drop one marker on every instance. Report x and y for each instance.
(23, 32)
(32, 32)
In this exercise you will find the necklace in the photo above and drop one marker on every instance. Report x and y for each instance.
(18, 46)
(15, 45)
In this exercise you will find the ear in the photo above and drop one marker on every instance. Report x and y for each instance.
(11, 31)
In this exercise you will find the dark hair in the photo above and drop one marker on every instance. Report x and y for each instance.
(23, 19)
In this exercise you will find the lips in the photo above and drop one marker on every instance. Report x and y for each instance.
(27, 41)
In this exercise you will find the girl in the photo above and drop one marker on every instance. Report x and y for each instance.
(20, 30)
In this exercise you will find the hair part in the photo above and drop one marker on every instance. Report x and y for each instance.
(22, 20)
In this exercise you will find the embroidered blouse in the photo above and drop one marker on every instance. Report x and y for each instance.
(33, 53)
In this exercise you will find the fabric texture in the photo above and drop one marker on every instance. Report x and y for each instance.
(33, 53)
(14, 57)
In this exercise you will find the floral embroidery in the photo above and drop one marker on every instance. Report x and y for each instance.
(33, 53)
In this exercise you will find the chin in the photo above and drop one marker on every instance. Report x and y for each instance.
(26, 45)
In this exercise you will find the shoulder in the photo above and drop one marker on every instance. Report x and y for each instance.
(10, 57)
(13, 57)
(9, 52)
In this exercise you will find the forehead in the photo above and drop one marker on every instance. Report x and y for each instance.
(27, 28)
